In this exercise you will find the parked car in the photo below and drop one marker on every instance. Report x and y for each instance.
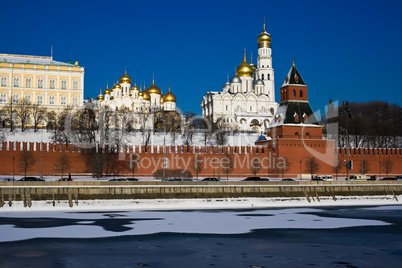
(317, 179)
(210, 179)
(399, 178)
(31, 179)
(255, 179)
(9, 179)
(388, 179)
(372, 178)
(287, 179)
(65, 179)
(118, 179)
(131, 179)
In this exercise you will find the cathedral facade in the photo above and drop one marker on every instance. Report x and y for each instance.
(149, 108)
(247, 101)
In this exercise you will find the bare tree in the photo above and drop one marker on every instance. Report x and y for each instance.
(62, 164)
(23, 111)
(227, 164)
(337, 168)
(133, 164)
(198, 165)
(283, 166)
(387, 165)
(312, 165)
(365, 166)
(38, 114)
(26, 160)
(255, 166)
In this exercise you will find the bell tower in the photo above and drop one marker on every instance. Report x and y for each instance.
(264, 71)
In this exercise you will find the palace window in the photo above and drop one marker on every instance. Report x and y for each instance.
(301, 93)
(40, 83)
(4, 81)
(75, 101)
(15, 98)
(51, 100)
(28, 99)
(28, 82)
(40, 100)
(294, 93)
(75, 85)
(262, 76)
(269, 77)
(52, 84)
(16, 81)
(63, 100)
(3, 98)
(63, 84)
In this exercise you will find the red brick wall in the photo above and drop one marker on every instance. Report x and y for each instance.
(180, 157)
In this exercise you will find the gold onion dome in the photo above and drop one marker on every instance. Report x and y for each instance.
(134, 87)
(154, 89)
(264, 36)
(141, 94)
(244, 69)
(117, 85)
(125, 78)
(100, 97)
(107, 91)
(169, 97)
(146, 97)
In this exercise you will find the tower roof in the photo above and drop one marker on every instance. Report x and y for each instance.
(293, 77)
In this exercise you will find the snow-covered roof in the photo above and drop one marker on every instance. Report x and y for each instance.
(27, 59)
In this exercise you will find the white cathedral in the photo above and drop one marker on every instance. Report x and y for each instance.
(247, 103)
(124, 97)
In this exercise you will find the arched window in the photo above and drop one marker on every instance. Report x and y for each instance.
(4, 81)
(63, 84)
(297, 134)
(3, 98)
(63, 100)
(28, 83)
(16, 81)
(294, 93)
(75, 85)
(269, 77)
(52, 84)
(75, 101)
(39, 99)
(15, 98)
(40, 83)
(301, 93)
(51, 100)
(28, 99)
(262, 76)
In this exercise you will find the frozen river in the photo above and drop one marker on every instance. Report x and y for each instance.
(277, 237)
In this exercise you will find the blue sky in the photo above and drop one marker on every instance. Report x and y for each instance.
(344, 49)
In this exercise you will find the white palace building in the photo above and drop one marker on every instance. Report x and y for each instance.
(247, 102)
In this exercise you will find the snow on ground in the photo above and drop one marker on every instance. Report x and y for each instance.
(136, 138)
(200, 204)
(92, 225)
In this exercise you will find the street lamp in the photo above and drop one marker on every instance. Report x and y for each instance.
(13, 166)
(300, 169)
(379, 169)
(347, 152)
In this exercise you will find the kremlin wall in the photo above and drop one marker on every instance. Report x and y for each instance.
(182, 157)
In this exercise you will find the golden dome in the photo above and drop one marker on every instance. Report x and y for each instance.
(134, 87)
(100, 97)
(146, 97)
(244, 69)
(117, 85)
(107, 91)
(169, 97)
(140, 94)
(125, 78)
(264, 37)
(153, 89)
